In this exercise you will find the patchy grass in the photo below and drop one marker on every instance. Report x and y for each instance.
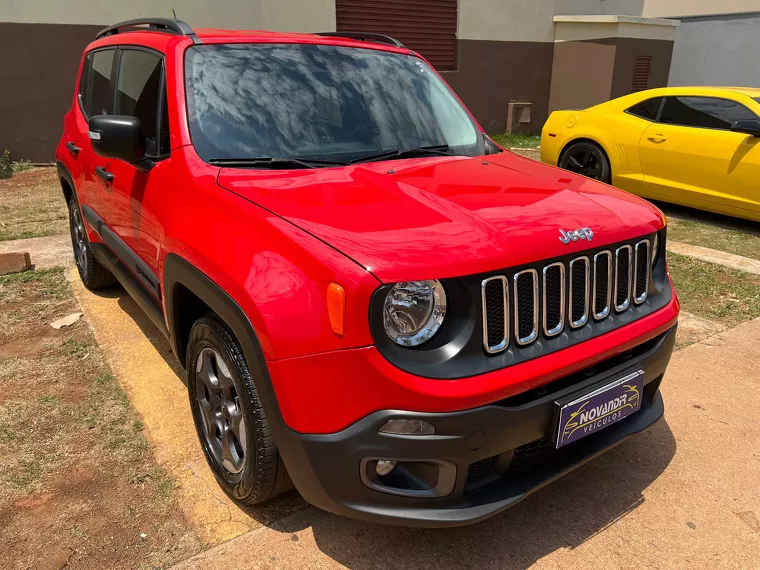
(78, 480)
(715, 237)
(517, 141)
(715, 292)
(31, 204)
(48, 286)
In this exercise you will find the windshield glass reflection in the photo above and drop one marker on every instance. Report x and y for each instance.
(319, 102)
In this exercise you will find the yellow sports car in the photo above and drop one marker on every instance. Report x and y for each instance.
(695, 146)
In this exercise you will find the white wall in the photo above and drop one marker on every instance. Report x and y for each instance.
(717, 51)
(278, 15)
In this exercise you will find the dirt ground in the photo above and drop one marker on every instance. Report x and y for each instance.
(32, 205)
(79, 486)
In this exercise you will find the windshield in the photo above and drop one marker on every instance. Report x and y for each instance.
(319, 102)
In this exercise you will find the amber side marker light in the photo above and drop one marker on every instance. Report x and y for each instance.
(336, 308)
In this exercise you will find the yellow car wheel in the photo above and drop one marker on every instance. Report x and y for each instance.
(587, 159)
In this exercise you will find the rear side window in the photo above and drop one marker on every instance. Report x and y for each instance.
(99, 100)
(164, 135)
(647, 109)
(704, 112)
(82, 90)
(138, 92)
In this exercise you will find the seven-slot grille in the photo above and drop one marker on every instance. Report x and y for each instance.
(573, 294)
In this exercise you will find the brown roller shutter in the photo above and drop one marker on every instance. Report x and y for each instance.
(425, 26)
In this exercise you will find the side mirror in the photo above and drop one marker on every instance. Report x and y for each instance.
(117, 136)
(747, 126)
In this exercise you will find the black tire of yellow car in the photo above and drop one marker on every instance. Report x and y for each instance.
(587, 159)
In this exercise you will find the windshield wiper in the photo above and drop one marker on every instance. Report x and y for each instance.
(278, 162)
(442, 149)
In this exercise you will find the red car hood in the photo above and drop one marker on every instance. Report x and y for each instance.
(444, 217)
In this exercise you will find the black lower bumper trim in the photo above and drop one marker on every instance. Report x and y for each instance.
(326, 468)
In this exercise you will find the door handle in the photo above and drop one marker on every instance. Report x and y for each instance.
(658, 138)
(73, 149)
(104, 174)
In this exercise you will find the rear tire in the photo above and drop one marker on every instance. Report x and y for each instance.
(229, 418)
(93, 274)
(587, 159)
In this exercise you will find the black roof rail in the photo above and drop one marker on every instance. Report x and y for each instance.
(163, 25)
(364, 36)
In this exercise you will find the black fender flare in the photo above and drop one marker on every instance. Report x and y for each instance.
(178, 271)
(290, 444)
(64, 173)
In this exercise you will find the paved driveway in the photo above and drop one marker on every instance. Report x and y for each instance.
(684, 494)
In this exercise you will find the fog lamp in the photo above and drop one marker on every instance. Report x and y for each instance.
(384, 467)
(407, 427)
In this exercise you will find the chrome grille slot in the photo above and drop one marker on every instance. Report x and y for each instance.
(526, 306)
(495, 299)
(561, 297)
(602, 282)
(641, 269)
(580, 268)
(553, 296)
(623, 277)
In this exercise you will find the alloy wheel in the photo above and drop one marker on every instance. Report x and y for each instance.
(583, 161)
(78, 239)
(223, 421)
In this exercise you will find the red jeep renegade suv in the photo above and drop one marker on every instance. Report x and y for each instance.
(372, 300)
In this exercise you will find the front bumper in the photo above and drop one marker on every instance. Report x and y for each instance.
(492, 456)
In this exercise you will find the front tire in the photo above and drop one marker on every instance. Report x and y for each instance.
(93, 274)
(587, 159)
(229, 418)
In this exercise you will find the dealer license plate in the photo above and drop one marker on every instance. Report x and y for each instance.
(600, 409)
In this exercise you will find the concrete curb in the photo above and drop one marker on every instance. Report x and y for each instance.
(718, 257)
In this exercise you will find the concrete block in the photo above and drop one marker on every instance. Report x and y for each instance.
(14, 263)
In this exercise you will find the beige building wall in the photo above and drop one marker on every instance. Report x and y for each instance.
(591, 7)
(506, 20)
(279, 15)
(44, 40)
(505, 53)
(674, 8)
(530, 20)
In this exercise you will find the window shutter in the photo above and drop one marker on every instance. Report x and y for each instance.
(641, 71)
(425, 26)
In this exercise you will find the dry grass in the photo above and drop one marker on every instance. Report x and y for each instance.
(739, 241)
(78, 480)
(714, 292)
(32, 205)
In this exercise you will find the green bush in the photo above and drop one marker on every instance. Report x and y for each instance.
(8, 167)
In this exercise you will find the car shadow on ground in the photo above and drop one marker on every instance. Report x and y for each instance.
(709, 218)
(151, 332)
(562, 515)
(267, 513)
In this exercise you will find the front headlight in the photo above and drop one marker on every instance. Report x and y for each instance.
(414, 311)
